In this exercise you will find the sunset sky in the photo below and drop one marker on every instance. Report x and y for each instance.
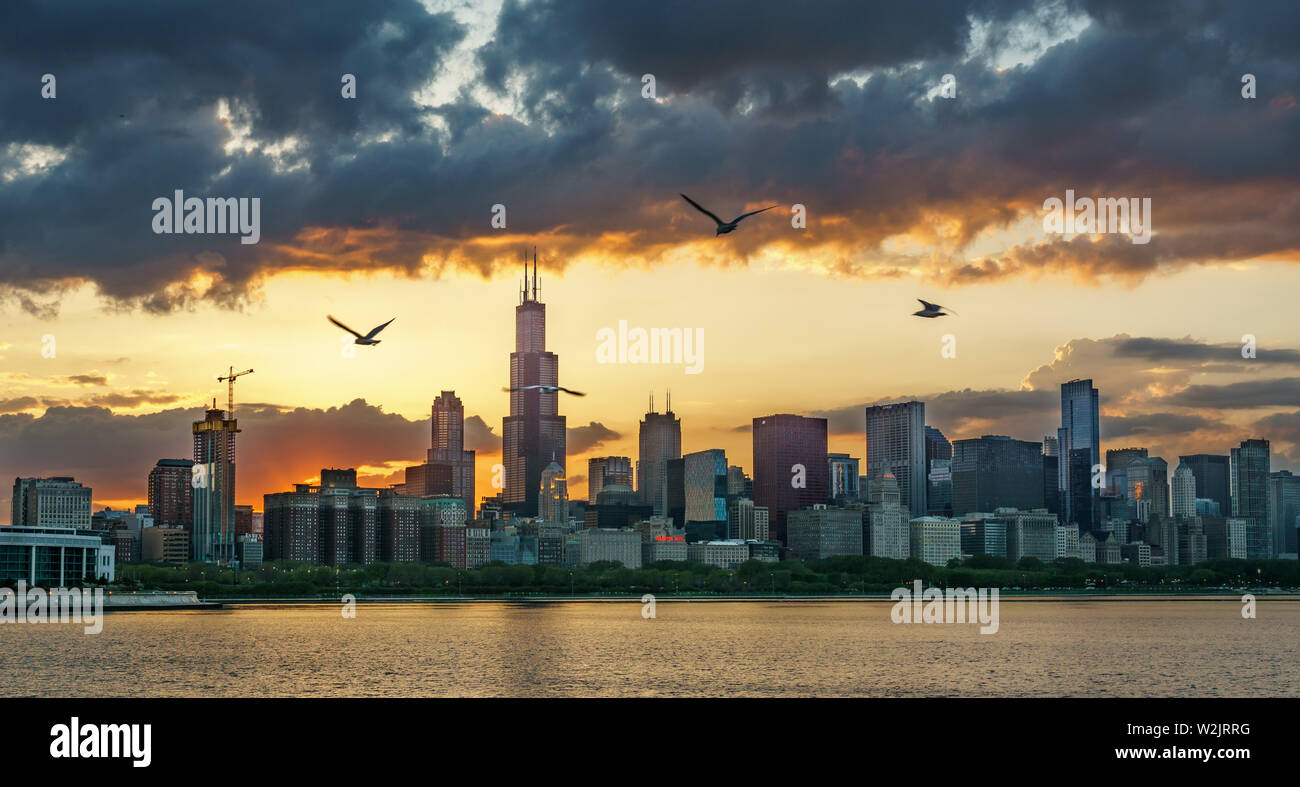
(380, 207)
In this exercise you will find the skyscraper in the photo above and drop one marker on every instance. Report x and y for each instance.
(844, 475)
(888, 533)
(171, 493)
(553, 505)
(1080, 431)
(938, 473)
(993, 472)
(213, 537)
(705, 486)
(533, 433)
(447, 425)
(1156, 489)
(1283, 510)
(602, 470)
(1211, 474)
(790, 466)
(659, 439)
(1184, 489)
(1248, 480)
(1051, 476)
(896, 435)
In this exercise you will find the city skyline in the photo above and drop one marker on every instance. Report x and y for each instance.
(914, 161)
(599, 439)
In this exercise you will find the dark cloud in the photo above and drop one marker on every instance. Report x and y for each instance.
(1147, 425)
(480, 437)
(132, 399)
(1141, 103)
(581, 439)
(1190, 350)
(18, 404)
(1283, 392)
(86, 379)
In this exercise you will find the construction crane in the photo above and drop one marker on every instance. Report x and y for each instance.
(230, 394)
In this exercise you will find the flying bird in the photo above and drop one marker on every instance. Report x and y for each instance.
(546, 388)
(368, 338)
(724, 226)
(933, 310)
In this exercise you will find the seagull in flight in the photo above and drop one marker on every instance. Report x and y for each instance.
(368, 338)
(933, 310)
(546, 388)
(724, 226)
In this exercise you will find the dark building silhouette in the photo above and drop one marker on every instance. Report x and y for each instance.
(1080, 430)
(212, 537)
(993, 472)
(1051, 484)
(782, 442)
(1211, 474)
(659, 439)
(1249, 467)
(171, 493)
(533, 434)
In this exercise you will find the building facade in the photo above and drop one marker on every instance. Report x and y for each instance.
(790, 468)
(896, 443)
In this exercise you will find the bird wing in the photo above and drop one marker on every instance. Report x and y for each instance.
(701, 209)
(575, 393)
(374, 331)
(752, 212)
(928, 306)
(344, 327)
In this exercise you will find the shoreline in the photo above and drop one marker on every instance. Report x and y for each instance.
(1233, 597)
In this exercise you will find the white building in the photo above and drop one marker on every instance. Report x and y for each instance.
(935, 539)
(723, 554)
(55, 556)
(1184, 491)
(1067, 541)
(888, 533)
(1030, 533)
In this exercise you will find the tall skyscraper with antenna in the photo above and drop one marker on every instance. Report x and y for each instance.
(533, 434)
(659, 440)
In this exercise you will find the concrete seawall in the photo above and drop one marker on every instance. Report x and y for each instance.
(155, 599)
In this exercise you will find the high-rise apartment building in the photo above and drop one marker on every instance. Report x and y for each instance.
(171, 493)
(212, 536)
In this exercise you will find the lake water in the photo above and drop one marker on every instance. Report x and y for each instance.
(795, 648)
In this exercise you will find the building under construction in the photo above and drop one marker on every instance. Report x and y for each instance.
(213, 535)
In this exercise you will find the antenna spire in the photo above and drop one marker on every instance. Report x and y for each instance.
(534, 273)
